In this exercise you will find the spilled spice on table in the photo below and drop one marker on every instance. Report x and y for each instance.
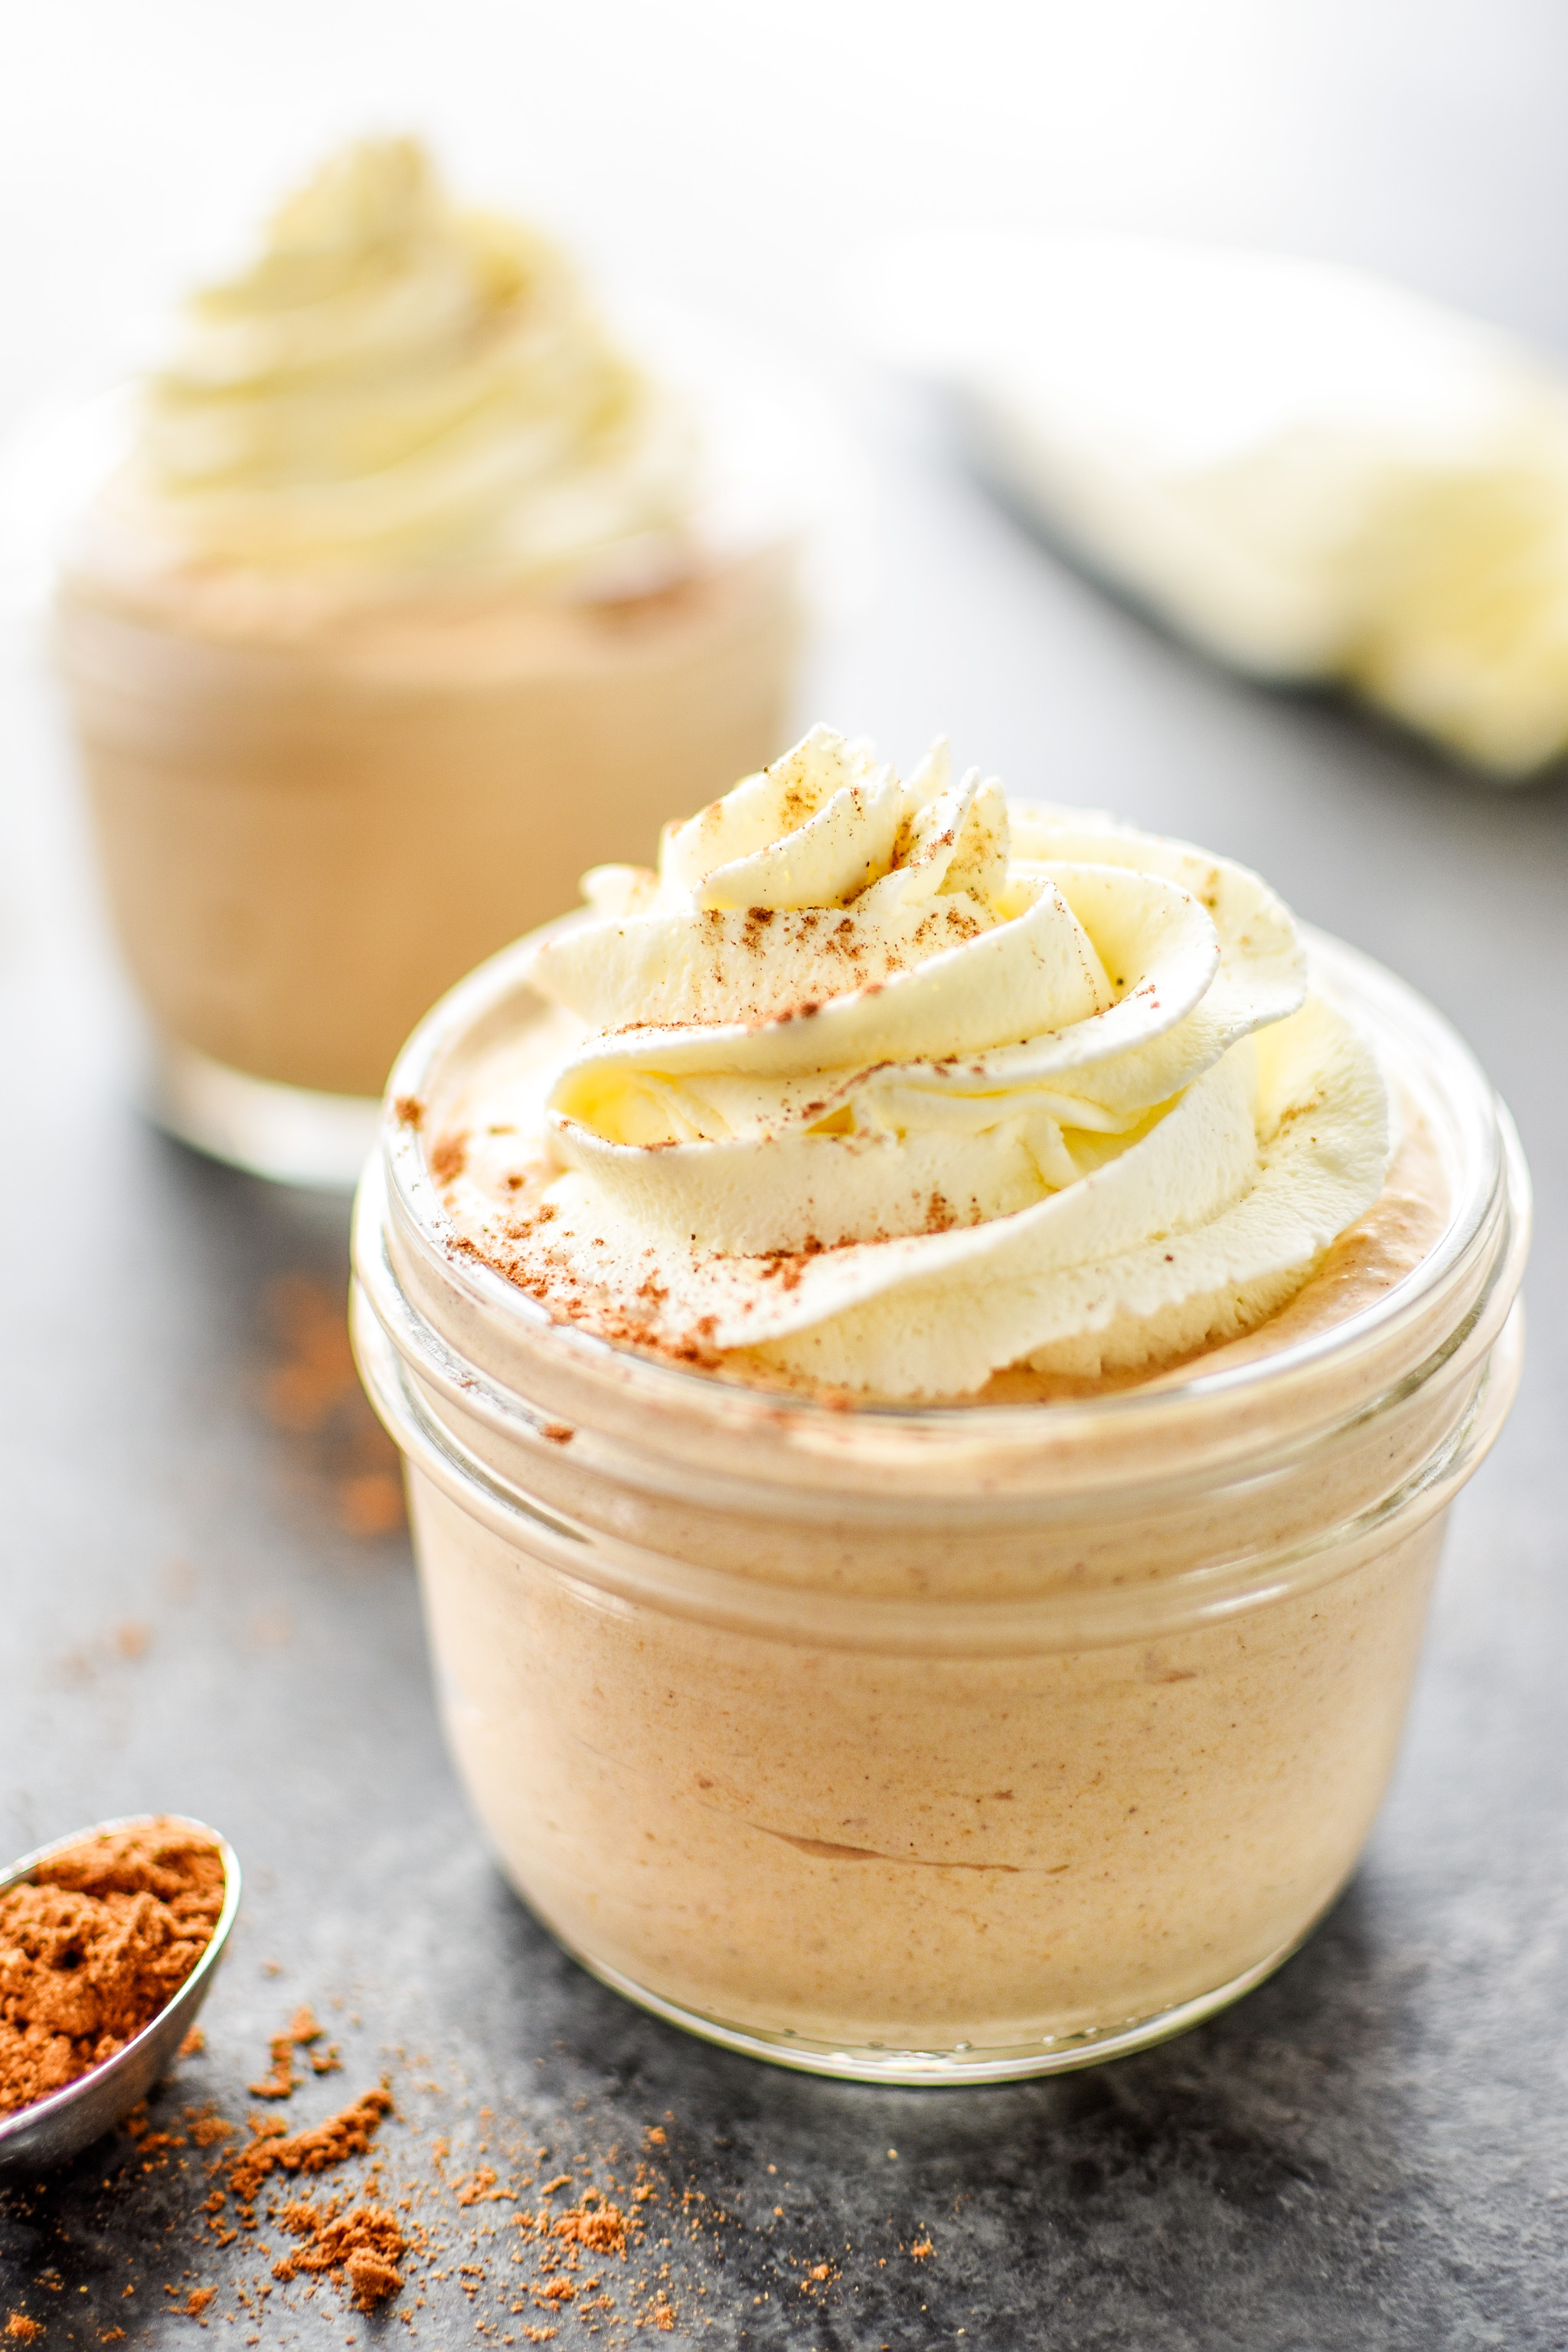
(301, 2033)
(347, 2134)
(312, 1392)
(367, 2243)
(370, 2209)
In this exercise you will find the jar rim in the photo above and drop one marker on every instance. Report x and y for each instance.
(1488, 1207)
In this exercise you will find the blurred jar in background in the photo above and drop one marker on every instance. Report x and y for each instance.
(416, 597)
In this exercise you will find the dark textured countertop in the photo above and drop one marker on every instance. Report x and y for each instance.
(208, 1604)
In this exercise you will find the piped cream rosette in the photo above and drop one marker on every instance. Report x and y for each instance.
(400, 384)
(891, 1085)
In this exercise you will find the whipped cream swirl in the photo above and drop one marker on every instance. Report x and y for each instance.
(891, 1085)
(397, 384)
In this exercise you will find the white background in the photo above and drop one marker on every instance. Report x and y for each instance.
(727, 152)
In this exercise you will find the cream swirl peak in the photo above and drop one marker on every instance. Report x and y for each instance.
(891, 1085)
(399, 384)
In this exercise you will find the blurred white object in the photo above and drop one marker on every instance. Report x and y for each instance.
(1307, 472)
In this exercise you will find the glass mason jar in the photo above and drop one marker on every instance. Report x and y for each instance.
(918, 1744)
(313, 816)
(305, 839)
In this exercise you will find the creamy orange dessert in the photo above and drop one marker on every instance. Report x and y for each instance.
(409, 603)
(934, 1336)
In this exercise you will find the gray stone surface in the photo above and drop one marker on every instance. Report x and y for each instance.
(1371, 2151)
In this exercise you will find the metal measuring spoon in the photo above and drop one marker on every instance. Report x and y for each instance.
(62, 2125)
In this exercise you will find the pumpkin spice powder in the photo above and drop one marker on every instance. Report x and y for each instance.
(93, 1945)
(539, 2253)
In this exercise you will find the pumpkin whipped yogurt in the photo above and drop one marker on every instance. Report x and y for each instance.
(417, 593)
(931, 1388)
(889, 1088)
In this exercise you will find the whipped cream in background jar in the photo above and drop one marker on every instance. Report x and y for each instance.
(415, 594)
(932, 1339)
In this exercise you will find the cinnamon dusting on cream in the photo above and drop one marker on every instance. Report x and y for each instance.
(884, 1088)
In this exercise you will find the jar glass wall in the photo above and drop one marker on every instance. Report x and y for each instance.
(942, 1743)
